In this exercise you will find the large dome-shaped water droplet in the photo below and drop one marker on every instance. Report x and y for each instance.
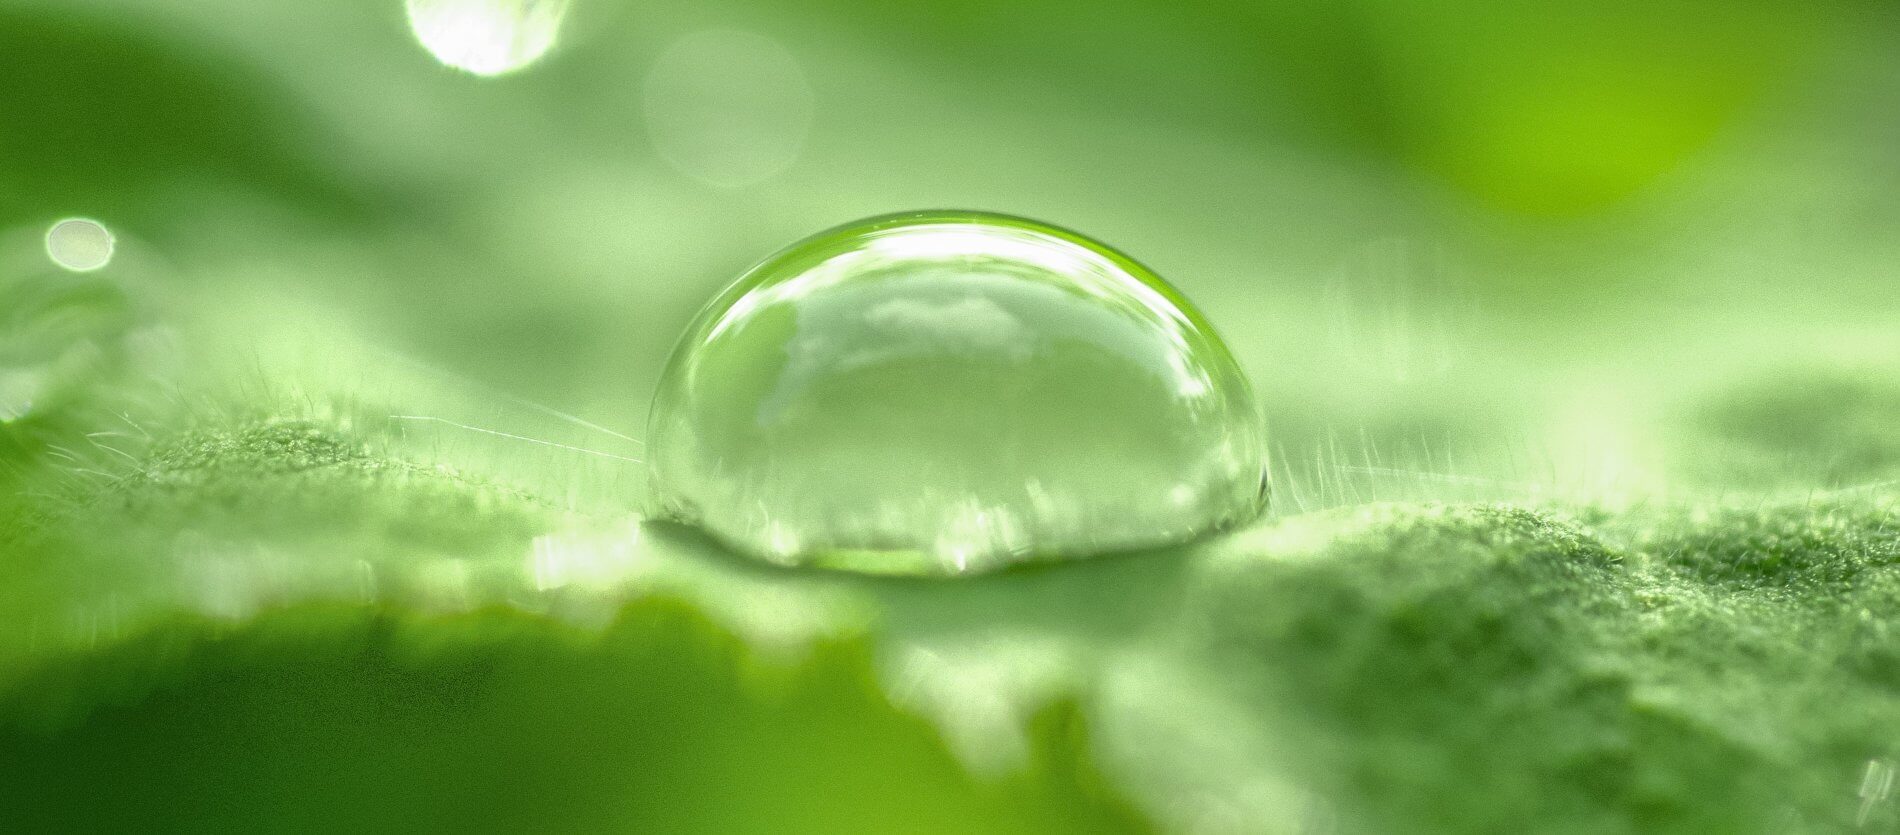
(948, 392)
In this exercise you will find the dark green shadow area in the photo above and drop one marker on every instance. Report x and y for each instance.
(353, 720)
(112, 119)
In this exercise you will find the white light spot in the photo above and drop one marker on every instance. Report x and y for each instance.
(728, 108)
(592, 562)
(79, 244)
(487, 37)
(1876, 785)
(781, 539)
(1183, 495)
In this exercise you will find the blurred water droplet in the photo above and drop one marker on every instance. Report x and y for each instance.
(943, 392)
(56, 334)
(487, 37)
(728, 108)
(79, 244)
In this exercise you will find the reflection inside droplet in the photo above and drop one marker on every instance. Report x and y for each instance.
(487, 37)
(79, 244)
(728, 108)
(949, 392)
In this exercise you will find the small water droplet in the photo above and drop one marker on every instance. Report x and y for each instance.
(487, 37)
(79, 244)
(952, 391)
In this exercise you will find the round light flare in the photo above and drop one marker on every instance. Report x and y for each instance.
(487, 37)
(728, 108)
(80, 244)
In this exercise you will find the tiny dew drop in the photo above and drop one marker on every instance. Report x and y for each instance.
(79, 244)
(947, 392)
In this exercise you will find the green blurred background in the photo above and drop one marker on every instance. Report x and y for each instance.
(1398, 212)
(1609, 255)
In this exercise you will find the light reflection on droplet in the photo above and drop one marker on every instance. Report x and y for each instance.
(487, 37)
(728, 108)
(595, 563)
(79, 244)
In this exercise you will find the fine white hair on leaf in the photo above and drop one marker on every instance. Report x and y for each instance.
(512, 436)
(518, 401)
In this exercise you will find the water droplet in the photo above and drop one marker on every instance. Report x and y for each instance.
(56, 335)
(487, 37)
(728, 108)
(79, 244)
(947, 392)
